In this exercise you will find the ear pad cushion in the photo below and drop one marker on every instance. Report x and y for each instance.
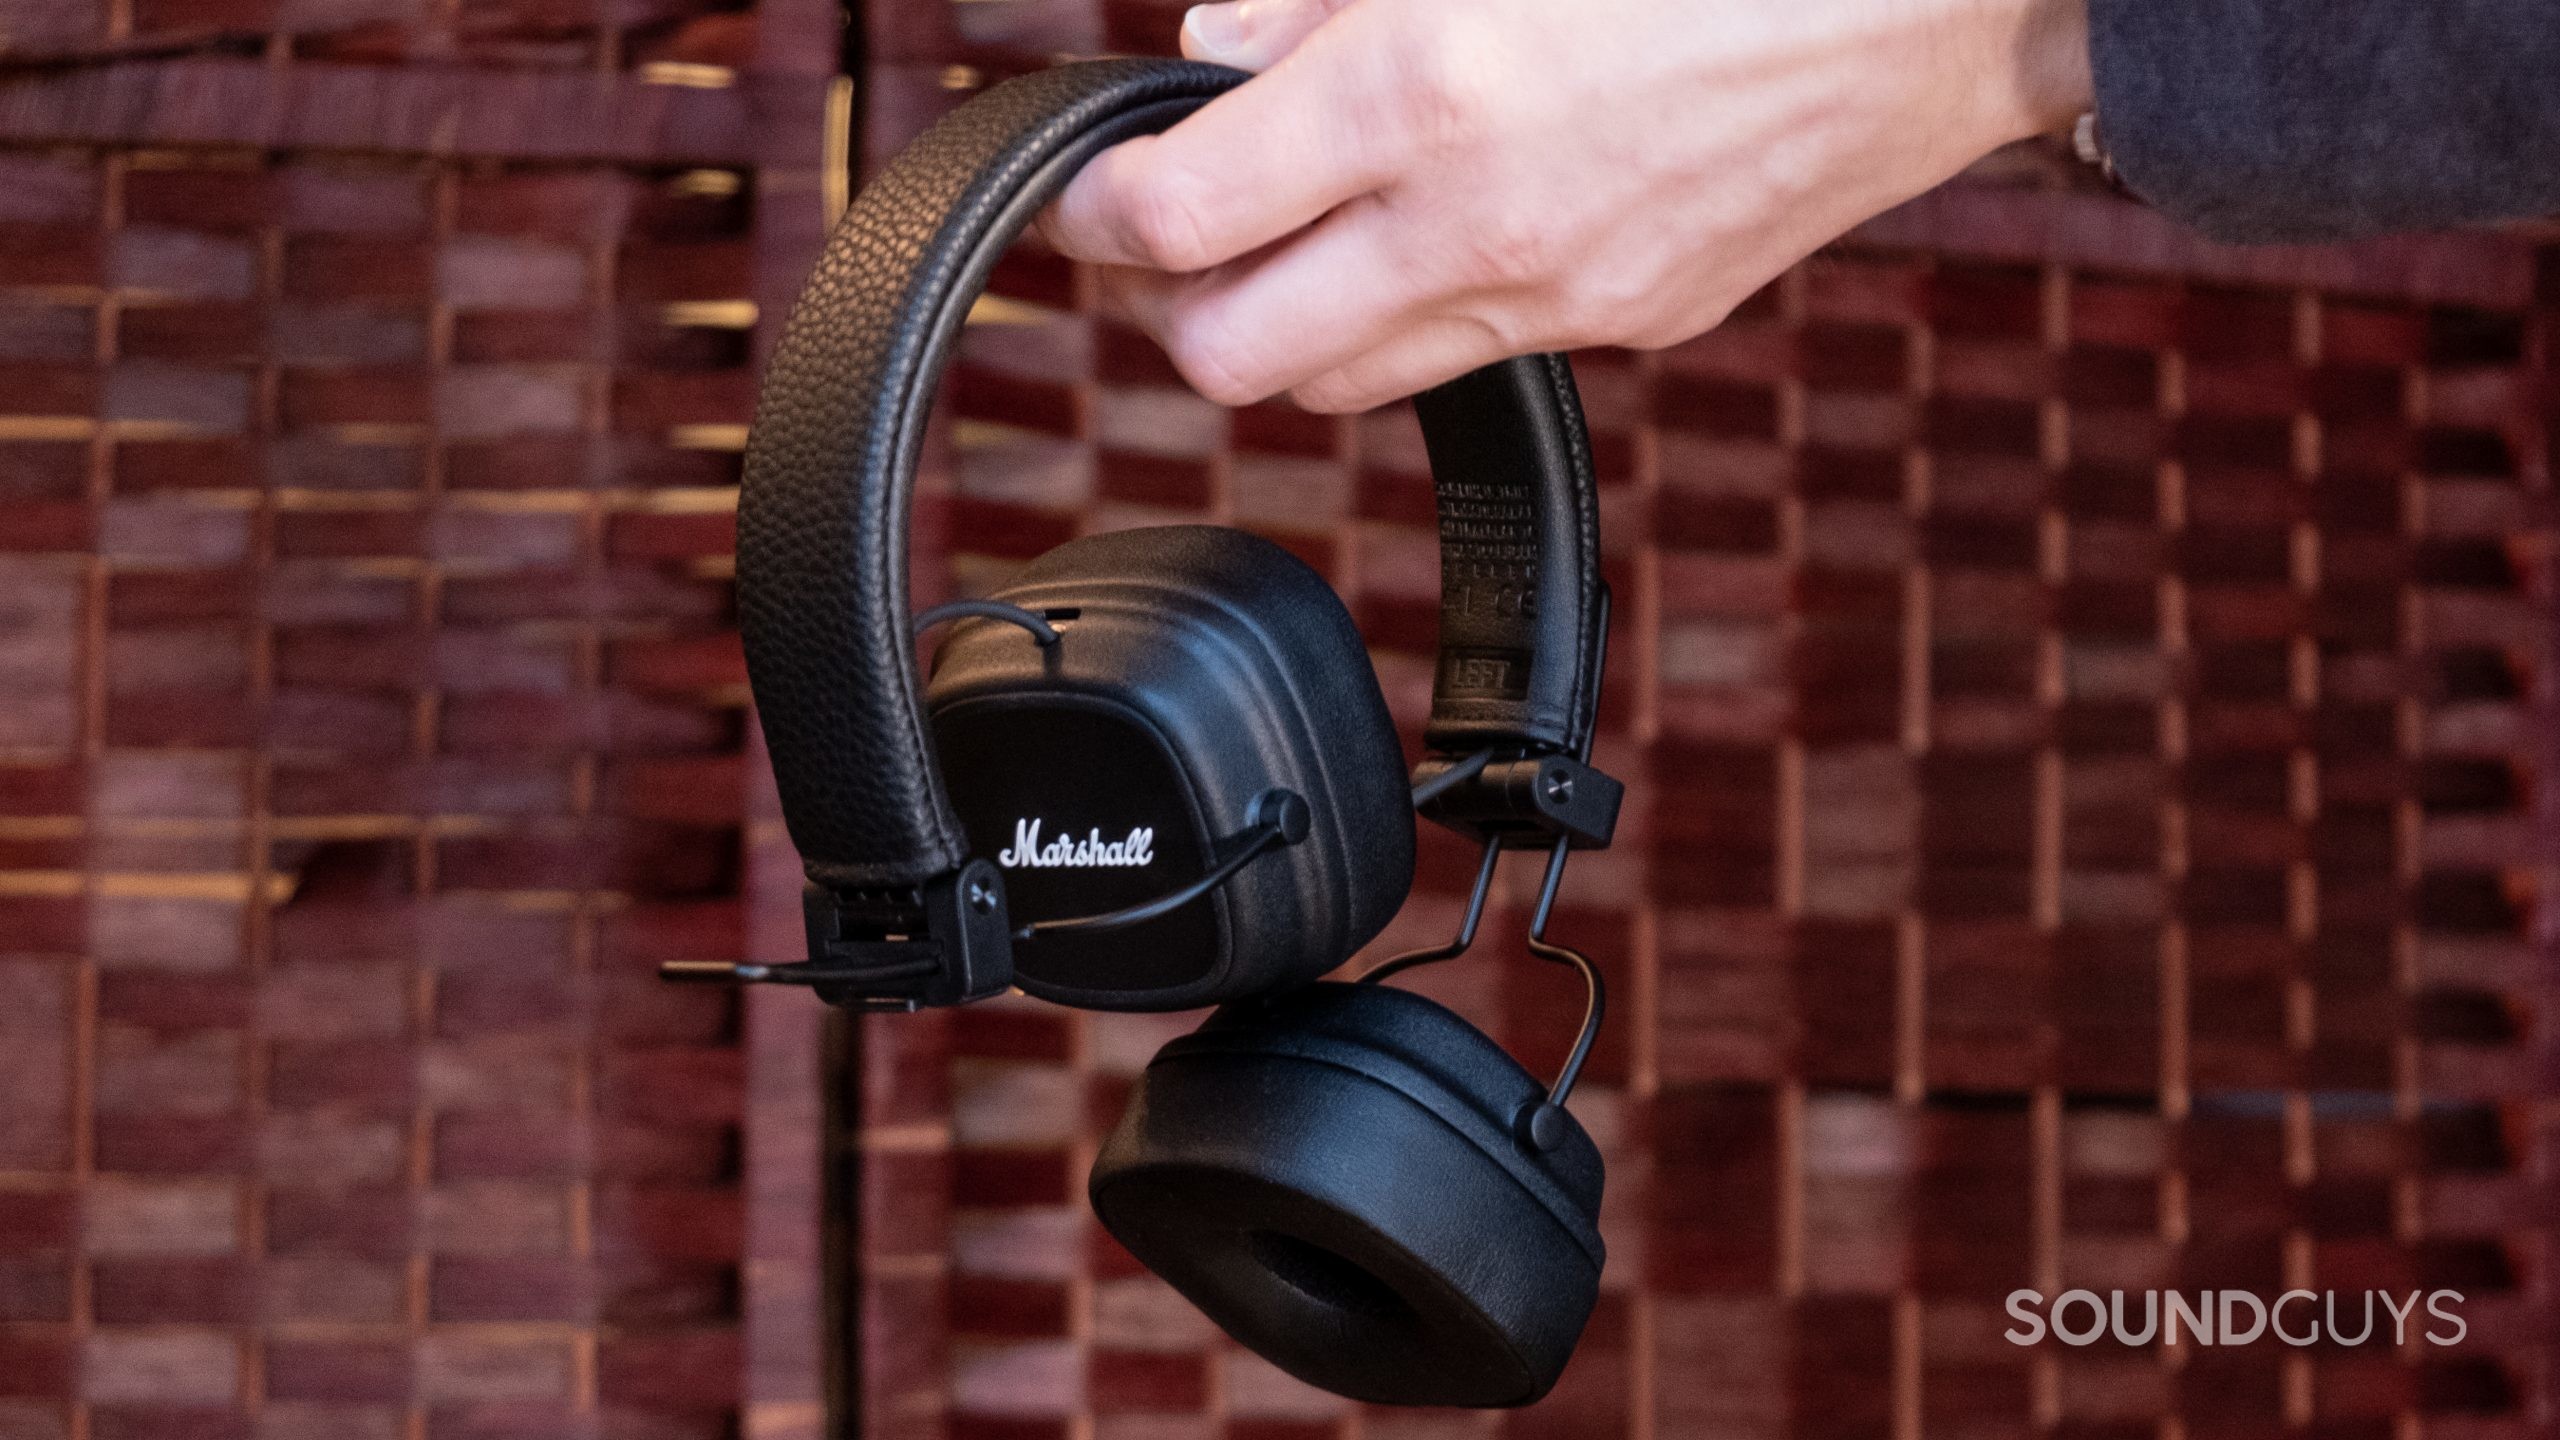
(1331, 1176)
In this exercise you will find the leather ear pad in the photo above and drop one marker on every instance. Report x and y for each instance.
(1331, 1176)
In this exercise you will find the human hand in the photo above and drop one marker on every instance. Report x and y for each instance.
(1414, 188)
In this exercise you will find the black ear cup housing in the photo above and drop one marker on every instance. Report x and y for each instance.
(1333, 1176)
(1196, 669)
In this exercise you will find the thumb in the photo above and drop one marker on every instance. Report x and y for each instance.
(1252, 34)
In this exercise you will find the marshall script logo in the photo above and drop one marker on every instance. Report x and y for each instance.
(1067, 851)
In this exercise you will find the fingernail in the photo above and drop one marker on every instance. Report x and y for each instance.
(1215, 30)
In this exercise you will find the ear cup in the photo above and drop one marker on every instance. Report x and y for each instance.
(1332, 1176)
(1198, 669)
(1331, 714)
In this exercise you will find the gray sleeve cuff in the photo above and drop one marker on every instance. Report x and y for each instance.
(2265, 120)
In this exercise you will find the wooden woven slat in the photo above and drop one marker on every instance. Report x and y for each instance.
(368, 436)
(484, 113)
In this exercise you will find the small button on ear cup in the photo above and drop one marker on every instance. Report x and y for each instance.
(1332, 1175)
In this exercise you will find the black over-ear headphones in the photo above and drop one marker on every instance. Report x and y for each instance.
(1156, 771)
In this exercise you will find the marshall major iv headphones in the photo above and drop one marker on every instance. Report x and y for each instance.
(1156, 771)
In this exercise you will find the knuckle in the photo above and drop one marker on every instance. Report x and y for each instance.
(1654, 337)
(1660, 329)
(1506, 247)
(1330, 395)
(1503, 327)
(1605, 305)
(1166, 218)
(1666, 333)
(1516, 332)
(1658, 337)
(1316, 12)
(1213, 358)
(1447, 81)
(1636, 297)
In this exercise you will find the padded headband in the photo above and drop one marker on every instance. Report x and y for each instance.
(830, 473)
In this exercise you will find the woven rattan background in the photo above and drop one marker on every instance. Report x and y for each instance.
(372, 378)
(2082, 693)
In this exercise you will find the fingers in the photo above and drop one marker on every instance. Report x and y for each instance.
(1252, 34)
(1422, 356)
(1257, 327)
(1258, 162)
(1411, 355)
(1405, 357)
(1144, 299)
(1344, 310)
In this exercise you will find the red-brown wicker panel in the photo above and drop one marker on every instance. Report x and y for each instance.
(2083, 694)
(370, 722)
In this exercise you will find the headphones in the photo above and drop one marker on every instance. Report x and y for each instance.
(1156, 771)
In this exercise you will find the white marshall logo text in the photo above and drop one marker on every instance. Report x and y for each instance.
(1066, 850)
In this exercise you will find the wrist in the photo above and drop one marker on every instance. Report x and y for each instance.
(2038, 75)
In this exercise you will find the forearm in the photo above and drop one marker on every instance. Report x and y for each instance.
(2262, 120)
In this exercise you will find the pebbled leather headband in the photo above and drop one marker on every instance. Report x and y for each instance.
(830, 474)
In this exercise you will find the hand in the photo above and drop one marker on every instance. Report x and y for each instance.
(1414, 188)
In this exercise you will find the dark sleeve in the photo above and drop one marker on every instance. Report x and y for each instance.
(2256, 120)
